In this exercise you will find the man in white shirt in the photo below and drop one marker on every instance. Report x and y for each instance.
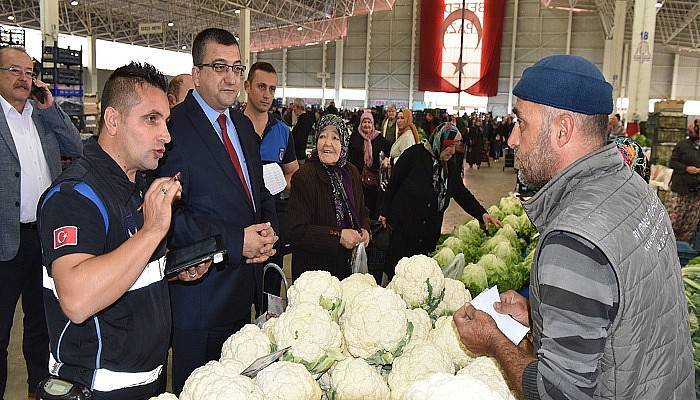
(33, 137)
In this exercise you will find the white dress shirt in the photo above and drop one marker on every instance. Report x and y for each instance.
(35, 176)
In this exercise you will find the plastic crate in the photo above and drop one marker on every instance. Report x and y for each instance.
(57, 92)
(662, 152)
(672, 122)
(665, 135)
(72, 108)
(685, 252)
(69, 76)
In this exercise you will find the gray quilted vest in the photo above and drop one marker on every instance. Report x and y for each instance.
(648, 354)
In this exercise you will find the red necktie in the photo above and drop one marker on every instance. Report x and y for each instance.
(232, 154)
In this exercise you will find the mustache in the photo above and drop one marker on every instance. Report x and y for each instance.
(22, 85)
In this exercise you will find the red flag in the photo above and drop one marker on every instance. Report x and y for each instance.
(65, 236)
(446, 53)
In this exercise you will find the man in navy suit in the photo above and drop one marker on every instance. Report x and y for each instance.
(216, 150)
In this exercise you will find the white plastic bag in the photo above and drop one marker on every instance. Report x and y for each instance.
(455, 268)
(358, 260)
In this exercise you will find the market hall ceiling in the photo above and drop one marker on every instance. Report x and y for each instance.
(274, 23)
(287, 23)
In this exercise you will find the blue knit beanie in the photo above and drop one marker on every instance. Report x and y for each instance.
(568, 83)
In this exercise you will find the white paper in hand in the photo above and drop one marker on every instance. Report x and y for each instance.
(274, 178)
(513, 329)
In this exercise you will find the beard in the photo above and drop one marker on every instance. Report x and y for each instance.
(539, 165)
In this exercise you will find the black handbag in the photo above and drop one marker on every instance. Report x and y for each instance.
(370, 178)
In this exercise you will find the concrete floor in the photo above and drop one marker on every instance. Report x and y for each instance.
(488, 184)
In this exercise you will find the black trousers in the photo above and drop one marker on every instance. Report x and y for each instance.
(194, 348)
(144, 392)
(22, 275)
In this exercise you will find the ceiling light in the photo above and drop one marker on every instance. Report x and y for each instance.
(74, 3)
(300, 28)
(659, 5)
(11, 17)
(183, 47)
(171, 23)
(238, 11)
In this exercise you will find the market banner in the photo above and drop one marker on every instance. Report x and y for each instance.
(460, 46)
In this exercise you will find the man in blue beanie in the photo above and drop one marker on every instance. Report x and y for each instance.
(607, 311)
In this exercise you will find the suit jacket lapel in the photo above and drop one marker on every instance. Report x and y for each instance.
(7, 135)
(206, 132)
(245, 145)
(44, 144)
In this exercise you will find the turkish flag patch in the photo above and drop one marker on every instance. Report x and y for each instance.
(65, 236)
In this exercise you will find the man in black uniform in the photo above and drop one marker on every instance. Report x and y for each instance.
(106, 299)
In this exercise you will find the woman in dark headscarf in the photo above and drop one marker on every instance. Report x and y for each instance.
(327, 213)
(422, 183)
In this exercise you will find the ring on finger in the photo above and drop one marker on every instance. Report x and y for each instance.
(193, 274)
(164, 191)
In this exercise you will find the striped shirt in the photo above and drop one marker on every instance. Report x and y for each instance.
(579, 298)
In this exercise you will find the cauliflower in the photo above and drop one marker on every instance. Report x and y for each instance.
(487, 370)
(419, 281)
(315, 338)
(317, 287)
(268, 327)
(439, 386)
(354, 284)
(288, 381)
(446, 337)
(213, 381)
(165, 396)
(374, 325)
(422, 325)
(422, 358)
(234, 365)
(455, 297)
(354, 379)
(246, 345)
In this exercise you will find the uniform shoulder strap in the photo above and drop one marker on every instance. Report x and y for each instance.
(87, 191)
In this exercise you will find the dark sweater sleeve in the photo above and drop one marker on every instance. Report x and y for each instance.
(302, 233)
(578, 304)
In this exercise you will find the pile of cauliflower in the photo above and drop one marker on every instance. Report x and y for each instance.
(354, 340)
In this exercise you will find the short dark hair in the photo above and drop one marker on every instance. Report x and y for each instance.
(120, 89)
(216, 35)
(260, 66)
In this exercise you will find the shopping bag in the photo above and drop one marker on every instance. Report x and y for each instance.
(455, 268)
(358, 260)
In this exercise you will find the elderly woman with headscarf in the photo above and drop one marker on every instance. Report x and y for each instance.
(422, 183)
(365, 146)
(327, 213)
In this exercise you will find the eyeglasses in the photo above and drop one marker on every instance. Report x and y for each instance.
(221, 68)
(18, 72)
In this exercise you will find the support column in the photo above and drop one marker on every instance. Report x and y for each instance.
(368, 47)
(244, 43)
(625, 70)
(569, 29)
(323, 74)
(48, 14)
(512, 55)
(339, 56)
(91, 82)
(284, 76)
(617, 50)
(642, 51)
(674, 79)
(412, 72)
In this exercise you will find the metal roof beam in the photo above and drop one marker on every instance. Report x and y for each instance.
(689, 17)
